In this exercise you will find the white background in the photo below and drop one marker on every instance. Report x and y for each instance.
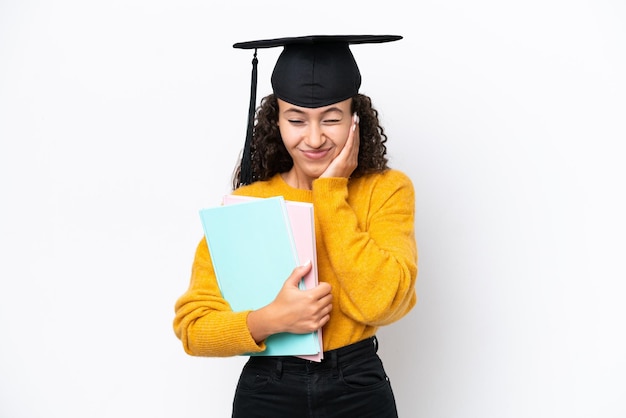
(119, 119)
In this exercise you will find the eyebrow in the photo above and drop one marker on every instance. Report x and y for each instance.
(297, 110)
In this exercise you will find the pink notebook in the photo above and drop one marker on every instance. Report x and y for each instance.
(303, 228)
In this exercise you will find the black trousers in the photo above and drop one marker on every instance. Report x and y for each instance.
(350, 382)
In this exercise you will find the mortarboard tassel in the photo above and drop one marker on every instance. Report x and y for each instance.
(245, 172)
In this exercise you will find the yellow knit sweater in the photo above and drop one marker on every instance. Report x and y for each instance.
(366, 251)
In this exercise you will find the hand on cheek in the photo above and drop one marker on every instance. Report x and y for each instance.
(347, 160)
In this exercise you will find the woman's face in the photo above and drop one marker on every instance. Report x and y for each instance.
(313, 138)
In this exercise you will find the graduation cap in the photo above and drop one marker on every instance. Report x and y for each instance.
(311, 72)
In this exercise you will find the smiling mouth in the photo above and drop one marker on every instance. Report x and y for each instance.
(315, 154)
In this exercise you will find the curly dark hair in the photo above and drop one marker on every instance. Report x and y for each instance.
(270, 157)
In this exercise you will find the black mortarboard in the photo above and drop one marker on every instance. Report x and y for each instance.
(311, 71)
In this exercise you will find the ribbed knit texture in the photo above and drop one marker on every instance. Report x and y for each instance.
(366, 251)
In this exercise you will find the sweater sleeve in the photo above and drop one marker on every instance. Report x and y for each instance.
(370, 239)
(204, 321)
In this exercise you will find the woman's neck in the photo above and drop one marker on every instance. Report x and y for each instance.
(292, 178)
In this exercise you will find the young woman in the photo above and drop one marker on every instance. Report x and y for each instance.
(317, 139)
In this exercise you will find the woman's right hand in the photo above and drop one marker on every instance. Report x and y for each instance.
(293, 310)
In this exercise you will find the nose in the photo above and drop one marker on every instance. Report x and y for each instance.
(315, 137)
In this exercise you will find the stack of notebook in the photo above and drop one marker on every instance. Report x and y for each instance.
(255, 243)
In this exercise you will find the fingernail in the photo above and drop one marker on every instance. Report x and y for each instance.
(307, 263)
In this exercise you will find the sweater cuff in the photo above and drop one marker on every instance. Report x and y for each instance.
(248, 341)
(326, 185)
(232, 336)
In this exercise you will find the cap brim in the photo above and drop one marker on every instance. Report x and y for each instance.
(349, 39)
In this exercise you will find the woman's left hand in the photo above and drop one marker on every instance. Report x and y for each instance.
(347, 160)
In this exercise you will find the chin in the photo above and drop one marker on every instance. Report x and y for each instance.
(316, 173)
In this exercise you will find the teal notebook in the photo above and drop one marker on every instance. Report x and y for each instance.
(253, 252)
